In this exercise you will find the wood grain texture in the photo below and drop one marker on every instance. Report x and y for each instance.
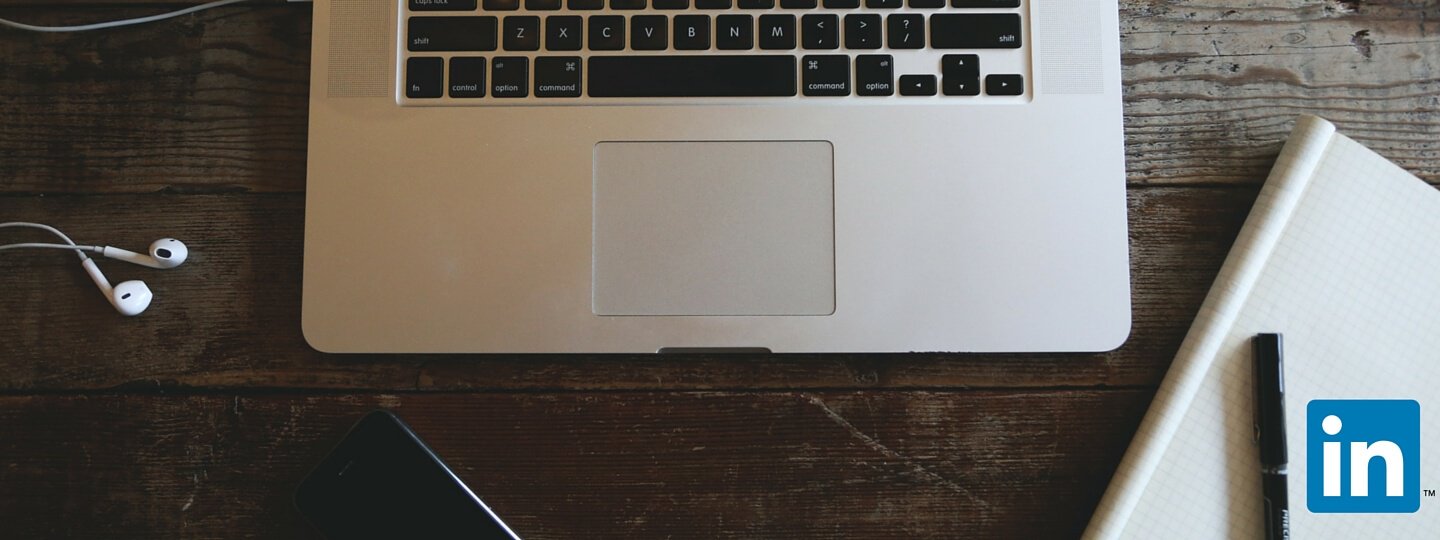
(230, 316)
(216, 101)
(626, 465)
(1212, 88)
(210, 102)
(197, 419)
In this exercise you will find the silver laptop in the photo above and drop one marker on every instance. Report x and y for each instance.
(666, 175)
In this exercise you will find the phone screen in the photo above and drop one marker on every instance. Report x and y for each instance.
(383, 482)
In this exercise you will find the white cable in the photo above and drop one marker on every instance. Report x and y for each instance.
(45, 227)
(122, 22)
(41, 245)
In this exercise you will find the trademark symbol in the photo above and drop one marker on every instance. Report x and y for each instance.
(1429, 492)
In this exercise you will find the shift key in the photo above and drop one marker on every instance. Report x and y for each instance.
(975, 31)
(451, 34)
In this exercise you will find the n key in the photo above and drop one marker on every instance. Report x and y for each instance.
(734, 32)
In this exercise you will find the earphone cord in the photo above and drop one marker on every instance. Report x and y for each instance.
(79, 250)
(31, 245)
(113, 24)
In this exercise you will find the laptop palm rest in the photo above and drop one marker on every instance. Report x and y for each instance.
(713, 228)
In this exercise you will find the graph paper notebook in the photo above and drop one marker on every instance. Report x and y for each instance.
(1341, 253)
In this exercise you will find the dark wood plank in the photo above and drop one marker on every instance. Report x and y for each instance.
(213, 102)
(230, 316)
(626, 465)
(217, 101)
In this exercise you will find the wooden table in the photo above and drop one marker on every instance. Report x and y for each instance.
(198, 418)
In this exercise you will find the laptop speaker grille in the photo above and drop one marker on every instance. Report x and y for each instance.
(1070, 56)
(360, 52)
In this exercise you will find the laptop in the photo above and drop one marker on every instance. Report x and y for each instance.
(641, 176)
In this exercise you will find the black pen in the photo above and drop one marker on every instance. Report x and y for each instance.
(1270, 432)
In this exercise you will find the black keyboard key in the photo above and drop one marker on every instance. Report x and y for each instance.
(607, 32)
(671, 4)
(975, 31)
(712, 4)
(874, 75)
(917, 85)
(882, 4)
(619, 5)
(862, 31)
(960, 65)
(905, 31)
(562, 33)
(960, 74)
(777, 32)
(1004, 85)
(424, 77)
(692, 32)
(825, 75)
(442, 5)
(510, 77)
(691, 76)
(649, 32)
(842, 4)
(927, 4)
(467, 77)
(542, 5)
(585, 5)
(961, 86)
(557, 76)
(522, 33)
(821, 31)
(451, 34)
(985, 3)
(502, 5)
(734, 32)
(756, 4)
(798, 4)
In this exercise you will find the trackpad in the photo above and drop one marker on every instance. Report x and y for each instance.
(714, 228)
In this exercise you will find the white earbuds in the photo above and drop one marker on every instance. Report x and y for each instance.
(130, 298)
(164, 253)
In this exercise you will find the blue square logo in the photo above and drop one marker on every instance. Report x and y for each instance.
(1362, 456)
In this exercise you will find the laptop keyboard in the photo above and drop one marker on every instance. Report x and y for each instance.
(496, 52)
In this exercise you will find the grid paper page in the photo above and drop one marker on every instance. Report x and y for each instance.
(1354, 284)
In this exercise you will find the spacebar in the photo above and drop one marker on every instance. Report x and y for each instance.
(691, 76)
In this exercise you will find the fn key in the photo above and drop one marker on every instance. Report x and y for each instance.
(424, 77)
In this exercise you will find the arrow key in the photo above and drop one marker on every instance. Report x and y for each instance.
(960, 85)
(917, 85)
(1004, 85)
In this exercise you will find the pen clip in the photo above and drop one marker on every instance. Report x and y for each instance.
(1256, 393)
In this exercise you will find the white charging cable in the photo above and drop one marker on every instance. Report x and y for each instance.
(122, 22)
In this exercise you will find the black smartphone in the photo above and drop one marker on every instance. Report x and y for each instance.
(382, 481)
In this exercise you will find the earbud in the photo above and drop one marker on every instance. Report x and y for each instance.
(129, 297)
(164, 253)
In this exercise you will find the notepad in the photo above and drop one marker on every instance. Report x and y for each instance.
(1341, 253)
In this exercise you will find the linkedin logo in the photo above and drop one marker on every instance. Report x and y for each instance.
(1362, 456)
